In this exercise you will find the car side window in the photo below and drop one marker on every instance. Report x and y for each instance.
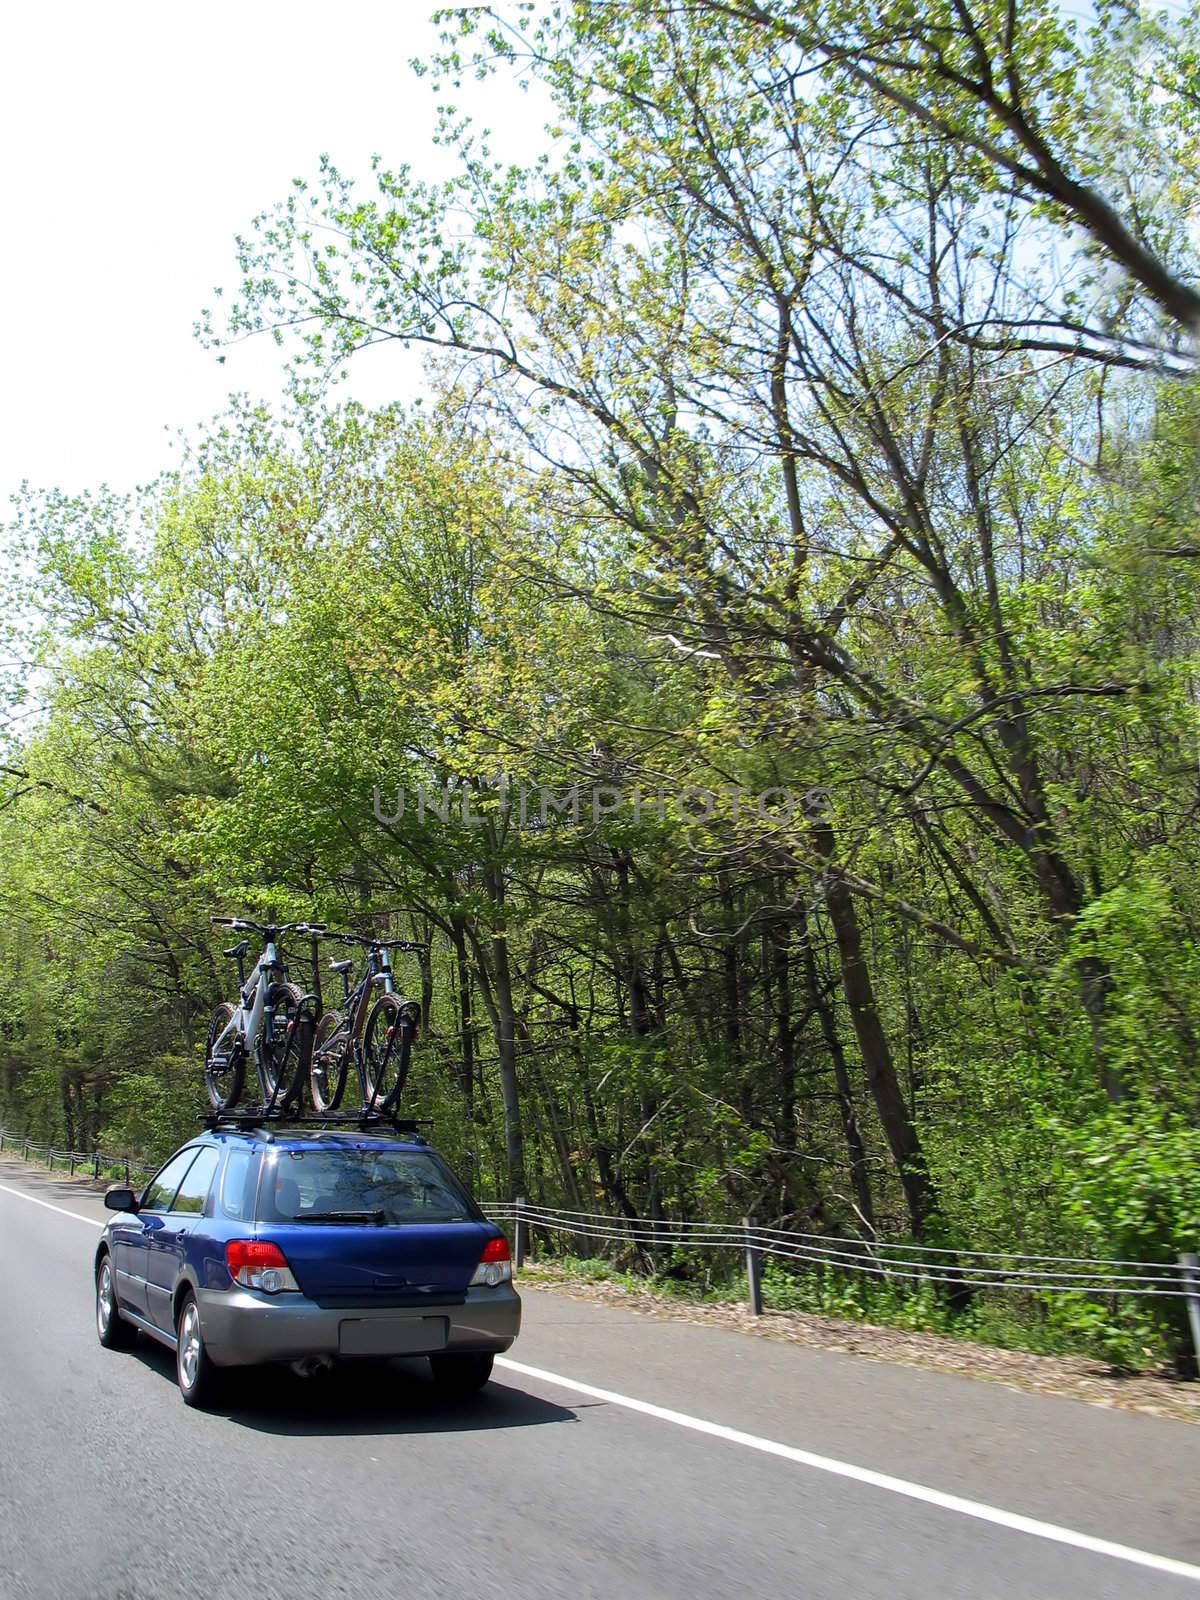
(161, 1189)
(238, 1184)
(193, 1191)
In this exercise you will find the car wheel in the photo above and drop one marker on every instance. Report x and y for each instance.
(199, 1380)
(461, 1374)
(114, 1332)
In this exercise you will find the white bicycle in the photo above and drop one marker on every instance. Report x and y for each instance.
(272, 1023)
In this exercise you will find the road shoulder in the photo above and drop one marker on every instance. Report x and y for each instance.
(1070, 1377)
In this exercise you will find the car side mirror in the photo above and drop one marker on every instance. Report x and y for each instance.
(120, 1200)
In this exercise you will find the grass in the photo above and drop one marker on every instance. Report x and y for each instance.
(670, 1286)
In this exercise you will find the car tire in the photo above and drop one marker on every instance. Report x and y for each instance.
(461, 1374)
(200, 1382)
(113, 1331)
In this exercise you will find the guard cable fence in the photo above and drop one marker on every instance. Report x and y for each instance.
(956, 1268)
(568, 1231)
(96, 1163)
(985, 1269)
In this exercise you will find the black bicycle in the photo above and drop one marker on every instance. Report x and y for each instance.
(272, 1023)
(377, 1040)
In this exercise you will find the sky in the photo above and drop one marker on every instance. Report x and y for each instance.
(138, 140)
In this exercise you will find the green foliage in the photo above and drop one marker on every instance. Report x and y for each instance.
(1138, 935)
(1124, 1336)
(149, 1114)
(1127, 1181)
(780, 443)
(830, 1293)
(1129, 1177)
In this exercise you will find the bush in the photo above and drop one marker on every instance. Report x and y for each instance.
(1121, 1332)
(1129, 1182)
(858, 1297)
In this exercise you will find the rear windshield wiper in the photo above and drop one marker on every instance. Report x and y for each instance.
(376, 1217)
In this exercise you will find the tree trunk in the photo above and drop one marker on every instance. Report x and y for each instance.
(466, 1041)
(506, 1042)
(860, 1179)
(785, 1043)
(878, 1064)
(495, 988)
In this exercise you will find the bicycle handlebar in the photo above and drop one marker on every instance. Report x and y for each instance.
(269, 930)
(315, 930)
(375, 944)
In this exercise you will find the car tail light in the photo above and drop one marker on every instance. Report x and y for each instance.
(258, 1264)
(494, 1267)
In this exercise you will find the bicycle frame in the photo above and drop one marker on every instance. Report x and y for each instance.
(253, 1019)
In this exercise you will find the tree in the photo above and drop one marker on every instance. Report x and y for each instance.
(1092, 125)
(788, 412)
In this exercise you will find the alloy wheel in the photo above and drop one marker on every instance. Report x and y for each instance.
(104, 1298)
(189, 1346)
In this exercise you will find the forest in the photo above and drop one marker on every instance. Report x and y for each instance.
(759, 665)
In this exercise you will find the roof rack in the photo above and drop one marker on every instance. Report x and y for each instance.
(255, 1119)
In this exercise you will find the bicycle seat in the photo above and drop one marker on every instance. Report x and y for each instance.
(238, 949)
(340, 966)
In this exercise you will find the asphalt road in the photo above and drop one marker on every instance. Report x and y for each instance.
(641, 1459)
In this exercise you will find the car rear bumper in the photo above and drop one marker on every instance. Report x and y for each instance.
(242, 1327)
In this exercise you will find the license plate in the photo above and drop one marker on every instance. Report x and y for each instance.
(391, 1336)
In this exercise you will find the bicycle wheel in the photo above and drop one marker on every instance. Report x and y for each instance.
(285, 1057)
(327, 1075)
(387, 1049)
(223, 1069)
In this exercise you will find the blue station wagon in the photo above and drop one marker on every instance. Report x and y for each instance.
(307, 1248)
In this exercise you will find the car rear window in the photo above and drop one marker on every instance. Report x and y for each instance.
(390, 1187)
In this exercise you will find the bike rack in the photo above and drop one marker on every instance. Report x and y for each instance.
(254, 1119)
(305, 1023)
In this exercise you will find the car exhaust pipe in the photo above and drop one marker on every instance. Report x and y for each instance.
(309, 1366)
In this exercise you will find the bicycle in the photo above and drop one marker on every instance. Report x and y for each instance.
(271, 1023)
(376, 1040)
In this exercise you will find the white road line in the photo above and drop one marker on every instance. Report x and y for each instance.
(77, 1216)
(876, 1480)
(978, 1509)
